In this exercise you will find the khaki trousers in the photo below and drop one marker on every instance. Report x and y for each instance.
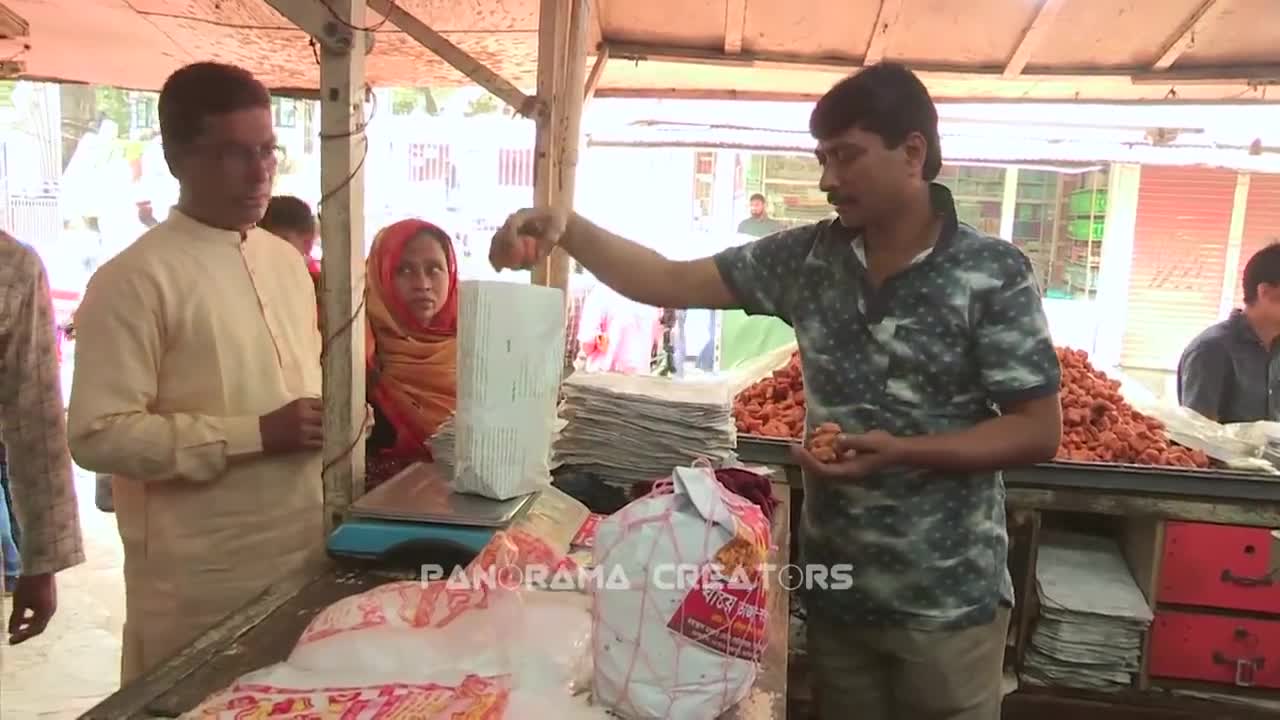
(903, 674)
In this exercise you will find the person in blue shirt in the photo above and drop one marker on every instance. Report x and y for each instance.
(1231, 372)
(926, 341)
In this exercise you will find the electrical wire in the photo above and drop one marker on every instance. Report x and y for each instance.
(359, 131)
(372, 28)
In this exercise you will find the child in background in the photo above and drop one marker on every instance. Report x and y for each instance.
(291, 219)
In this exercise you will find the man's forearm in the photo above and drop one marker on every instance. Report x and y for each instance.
(643, 275)
(1003, 442)
(626, 266)
(160, 448)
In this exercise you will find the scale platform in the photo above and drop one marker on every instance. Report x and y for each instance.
(416, 518)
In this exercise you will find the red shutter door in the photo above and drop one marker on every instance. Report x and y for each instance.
(1179, 257)
(1261, 222)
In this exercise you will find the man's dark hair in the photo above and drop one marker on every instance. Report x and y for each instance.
(1263, 267)
(886, 99)
(756, 196)
(202, 89)
(286, 213)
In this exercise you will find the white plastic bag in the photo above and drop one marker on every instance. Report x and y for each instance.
(684, 639)
(480, 649)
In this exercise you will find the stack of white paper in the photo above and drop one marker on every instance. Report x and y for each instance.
(1092, 615)
(442, 445)
(510, 359)
(630, 428)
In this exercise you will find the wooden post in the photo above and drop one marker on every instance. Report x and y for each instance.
(338, 25)
(570, 94)
(553, 29)
(562, 39)
(343, 147)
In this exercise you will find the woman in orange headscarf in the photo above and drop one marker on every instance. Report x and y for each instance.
(412, 342)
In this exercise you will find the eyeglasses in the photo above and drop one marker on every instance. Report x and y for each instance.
(244, 156)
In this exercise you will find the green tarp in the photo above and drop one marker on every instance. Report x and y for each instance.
(744, 338)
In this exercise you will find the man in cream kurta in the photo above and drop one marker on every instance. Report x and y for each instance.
(168, 405)
(192, 345)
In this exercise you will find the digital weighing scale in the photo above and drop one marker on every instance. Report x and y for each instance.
(417, 518)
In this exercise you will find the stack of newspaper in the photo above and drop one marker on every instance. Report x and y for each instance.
(632, 428)
(1092, 615)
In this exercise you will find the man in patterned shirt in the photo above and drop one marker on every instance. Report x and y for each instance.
(33, 423)
(926, 341)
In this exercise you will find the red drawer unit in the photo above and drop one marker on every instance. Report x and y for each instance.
(1218, 566)
(1215, 648)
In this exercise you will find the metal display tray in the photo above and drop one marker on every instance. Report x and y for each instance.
(1100, 477)
(419, 493)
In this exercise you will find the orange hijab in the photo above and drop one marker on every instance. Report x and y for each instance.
(412, 367)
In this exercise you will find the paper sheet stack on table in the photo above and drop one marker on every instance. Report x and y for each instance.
(442, 445)
(630, 428)
(1092, 615)
(510, 360)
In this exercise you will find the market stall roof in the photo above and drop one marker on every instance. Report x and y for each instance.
(977, 49)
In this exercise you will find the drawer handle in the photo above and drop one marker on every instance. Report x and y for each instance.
(1244, 581)
(1245, 667)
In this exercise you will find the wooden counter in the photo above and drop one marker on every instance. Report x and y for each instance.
(264, 632)
(1137, 502)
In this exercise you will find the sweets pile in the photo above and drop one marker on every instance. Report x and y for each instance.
(1099, 426)
(774, 406)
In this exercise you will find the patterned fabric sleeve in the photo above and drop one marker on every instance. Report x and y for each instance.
(1016, 358)
(34, 420)
(761, 273)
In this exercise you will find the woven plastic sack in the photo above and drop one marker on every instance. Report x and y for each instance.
(683, 640)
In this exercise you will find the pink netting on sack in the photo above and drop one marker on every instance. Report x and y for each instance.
(685, 636)
(476, 698)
